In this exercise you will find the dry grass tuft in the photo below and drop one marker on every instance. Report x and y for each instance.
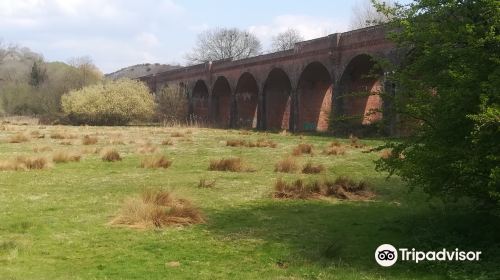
(260, 143)
(205, 184)
(229, 164)
(147, 148)
(62, 135)
(65, 156)
(156, 161)
(89, 140)
(42, 149)
(355, 142)
(177, 134)
(37, 135)
(18, 138)
(157, 209)
(167, 142)
(310, 168)
(386, 153)
(302, 148)
(286, 165)
(66, 143)
(24, 163)
(341, 188)
(110, 155)
(334, 150)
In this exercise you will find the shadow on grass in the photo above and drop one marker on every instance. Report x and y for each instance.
(325, 234)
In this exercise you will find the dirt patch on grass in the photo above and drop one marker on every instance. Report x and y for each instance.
(342, 188)
(157, 209)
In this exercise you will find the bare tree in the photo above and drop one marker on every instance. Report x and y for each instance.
(286, 40)
(364, 14)
(88, 73)
(223, 43)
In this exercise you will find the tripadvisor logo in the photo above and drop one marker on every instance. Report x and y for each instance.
(387, 255)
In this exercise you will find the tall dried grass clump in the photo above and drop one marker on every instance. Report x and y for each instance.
(110, 155)
(59, 135)
(334, 149)
(177, 134)
(302, 148)
(167, 142)
(310, 168)
(156, 161)
(65, 156)
(386, 154)
(147, 148)
(229, 164)
(18, 138)
(157, 209)
(36, 134)
(286, 165)
(42, 149)
(260, 143)
(89, 140)
(355, 142)
(342, 188)
(206, 184)
(24, 163)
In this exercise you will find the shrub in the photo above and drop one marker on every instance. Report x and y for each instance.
(156, 161)
(89, 140)
(172, 104)
(65, 156)
(302, 149)
(157, 209)
(286, 165)
(109, 103)
(311, 168)
(18, 138)
(111, 155)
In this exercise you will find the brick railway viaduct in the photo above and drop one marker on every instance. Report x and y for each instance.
(299, 89)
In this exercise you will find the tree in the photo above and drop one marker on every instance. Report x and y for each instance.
(365, 14)
(449, 85)
(86, 73)
(224, 43)
(286, 40)
(109, 103)
(172, 104)
(38, 74)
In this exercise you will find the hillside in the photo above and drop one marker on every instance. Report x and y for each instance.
(140, 70)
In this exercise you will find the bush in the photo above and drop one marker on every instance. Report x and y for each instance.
(109, 103)
(172, 104)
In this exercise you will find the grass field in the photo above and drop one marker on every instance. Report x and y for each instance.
(54, 223)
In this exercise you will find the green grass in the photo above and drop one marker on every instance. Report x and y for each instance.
(54, 223)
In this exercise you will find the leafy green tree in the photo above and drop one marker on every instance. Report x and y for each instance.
(449, 86)
(109, 103)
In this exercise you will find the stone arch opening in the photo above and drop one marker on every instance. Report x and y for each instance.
(200, 102)
(221, 102)
(246, 96)
(361, 84)
(314, 98)
(277, 100)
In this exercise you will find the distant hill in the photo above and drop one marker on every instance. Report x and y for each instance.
(140, 70)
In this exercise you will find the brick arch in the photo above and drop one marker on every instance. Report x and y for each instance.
(200, 97)
(277, 100)
(314, 97)
(360, 85)
(246, 101)
(221, 102)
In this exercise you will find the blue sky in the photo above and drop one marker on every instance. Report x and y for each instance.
(119, 33)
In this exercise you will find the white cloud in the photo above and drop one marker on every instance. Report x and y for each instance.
(147, 39)
(309, 27)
